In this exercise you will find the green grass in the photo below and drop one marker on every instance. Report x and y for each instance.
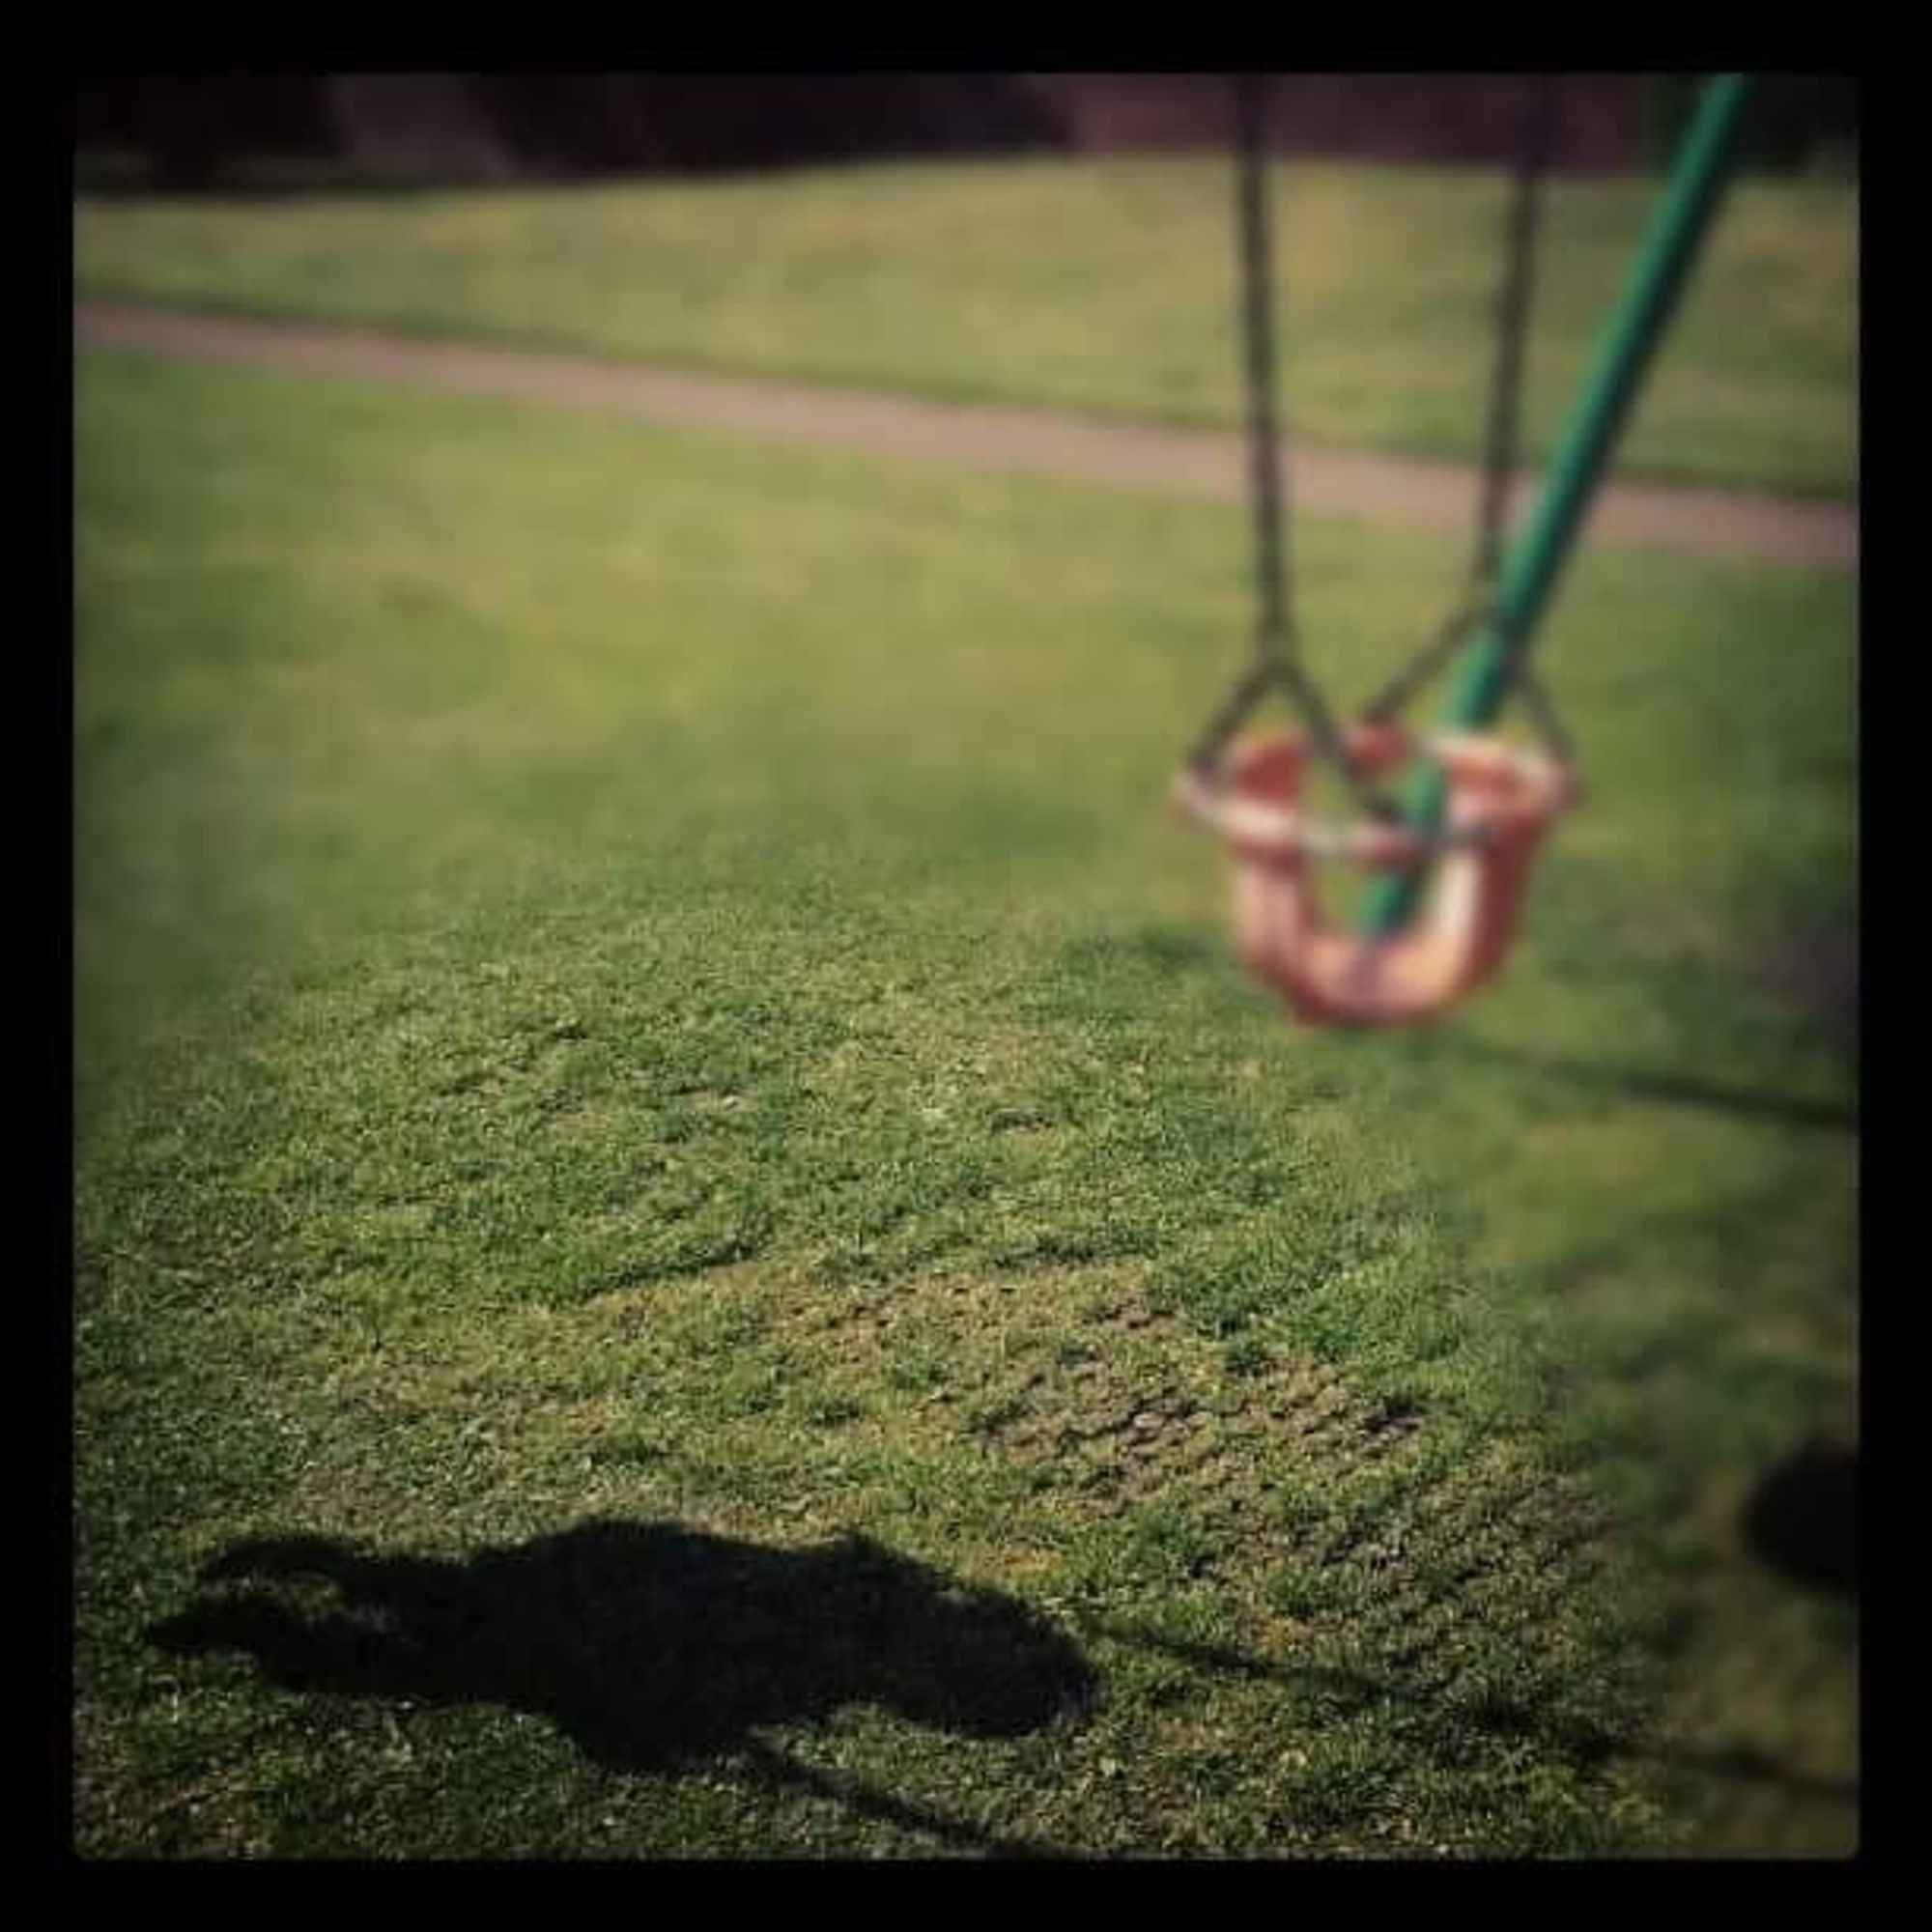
(635, 989)
(1097, 286)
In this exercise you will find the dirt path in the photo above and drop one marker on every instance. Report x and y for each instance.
(1435, 495)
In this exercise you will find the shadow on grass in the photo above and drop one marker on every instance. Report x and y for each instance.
(1357, 1690)
(1801, 1519)
(1644, 1084)
(650, 1645)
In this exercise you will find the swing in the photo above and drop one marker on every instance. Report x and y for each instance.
(1499, 802)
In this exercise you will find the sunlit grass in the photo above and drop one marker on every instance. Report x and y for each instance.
(629, 979)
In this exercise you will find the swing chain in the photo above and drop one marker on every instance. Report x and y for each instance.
(1277, 655)
(1536, 128)
(1499, 443)
(1277, 659)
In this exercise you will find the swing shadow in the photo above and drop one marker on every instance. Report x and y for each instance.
(653, 1647)
(1645, 1084)
(1358, 1690)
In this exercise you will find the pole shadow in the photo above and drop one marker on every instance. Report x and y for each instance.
(650, 1645)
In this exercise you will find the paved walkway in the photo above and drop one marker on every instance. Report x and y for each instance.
(1434, 495)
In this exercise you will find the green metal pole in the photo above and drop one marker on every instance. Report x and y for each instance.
(1536, 561)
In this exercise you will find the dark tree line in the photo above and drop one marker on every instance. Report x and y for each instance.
(194, 131)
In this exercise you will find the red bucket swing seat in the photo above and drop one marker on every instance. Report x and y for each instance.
(1501, 802)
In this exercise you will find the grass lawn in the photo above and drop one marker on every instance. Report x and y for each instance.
(1100, 286)
(689, 1242)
